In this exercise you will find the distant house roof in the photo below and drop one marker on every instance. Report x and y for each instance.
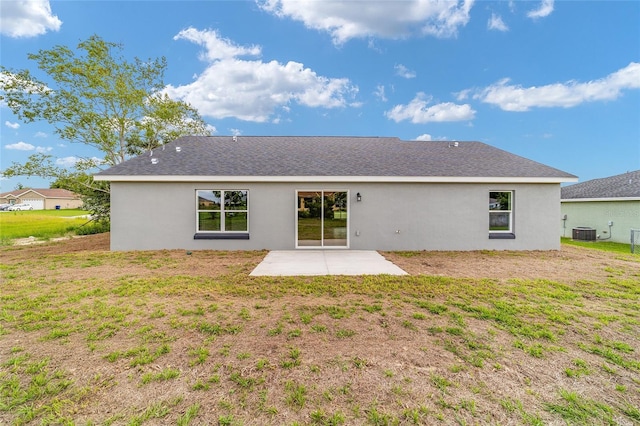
(626, 185)
(324, 158)
(45, 193)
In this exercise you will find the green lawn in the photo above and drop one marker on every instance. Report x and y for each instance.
(601, 245)
(39, 223)
(162, 337)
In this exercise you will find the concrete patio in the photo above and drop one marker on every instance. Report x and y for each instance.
(325, 262)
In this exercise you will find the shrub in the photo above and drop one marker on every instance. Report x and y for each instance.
(94, 227)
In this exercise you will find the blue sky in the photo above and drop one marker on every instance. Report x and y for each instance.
(556, 82)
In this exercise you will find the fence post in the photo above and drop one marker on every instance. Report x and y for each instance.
(635, 239)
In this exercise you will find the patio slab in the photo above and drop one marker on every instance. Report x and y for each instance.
(325, 262)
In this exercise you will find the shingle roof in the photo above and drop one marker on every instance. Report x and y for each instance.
(626, 185)
(281, 156)
(47, 193)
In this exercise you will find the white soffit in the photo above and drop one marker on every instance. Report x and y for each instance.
(320, 179)
(589, 200)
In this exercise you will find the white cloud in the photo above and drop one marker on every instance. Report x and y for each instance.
(371, 44)
(517, 98)
(424, 137)
(346, 20)
(496, 23)
(27, 18)
(463, 94)
(73, 160)
(448, 20)
(7, 77)
(21, 146)
(215, 46)
(40, 135)
(67, 161)
(252, 90)
(545, 9)
(404, 72)
(12, 125)
(418, 111)
(379, 93)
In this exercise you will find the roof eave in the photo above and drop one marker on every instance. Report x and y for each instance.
(585, 200)
(320, 179)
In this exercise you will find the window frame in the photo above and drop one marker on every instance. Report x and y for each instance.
(503, 233)
(222, 233)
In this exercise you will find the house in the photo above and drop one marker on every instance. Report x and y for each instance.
(380, 193)
(43, 199)
(610, 207)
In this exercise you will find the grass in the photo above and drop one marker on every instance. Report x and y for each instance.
(576, 409)
(234, 349)
(166, 374)
(42, 224)
(608, 246)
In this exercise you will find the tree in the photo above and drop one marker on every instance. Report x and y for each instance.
(98, 99)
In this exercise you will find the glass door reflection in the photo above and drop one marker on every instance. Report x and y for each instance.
(309, 219)
(322, 219)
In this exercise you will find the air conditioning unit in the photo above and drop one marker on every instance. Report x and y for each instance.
(584, 233)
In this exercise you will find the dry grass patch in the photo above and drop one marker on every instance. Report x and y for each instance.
(93, 337)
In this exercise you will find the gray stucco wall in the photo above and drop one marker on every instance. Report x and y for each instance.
(597, 214)
(391, 216)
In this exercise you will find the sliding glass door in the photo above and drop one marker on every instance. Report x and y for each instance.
(322, 219)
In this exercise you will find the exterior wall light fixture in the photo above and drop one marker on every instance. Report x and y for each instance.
(358, 197)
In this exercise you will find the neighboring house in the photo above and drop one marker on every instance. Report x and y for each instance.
(609, 206)
(43, 199)
(246, 192)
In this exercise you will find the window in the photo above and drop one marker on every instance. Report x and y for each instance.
(501, 214)
(222, 211)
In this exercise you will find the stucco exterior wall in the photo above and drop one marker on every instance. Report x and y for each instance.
(391, 216)
(597, 214)
(64, 203)
(47, 203)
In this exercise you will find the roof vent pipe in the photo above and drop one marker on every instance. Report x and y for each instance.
(178, 149)
(235, 138)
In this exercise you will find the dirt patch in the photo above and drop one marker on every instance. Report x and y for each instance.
(161, 263)
(434, 351)
(566, 265)
(97, 242)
